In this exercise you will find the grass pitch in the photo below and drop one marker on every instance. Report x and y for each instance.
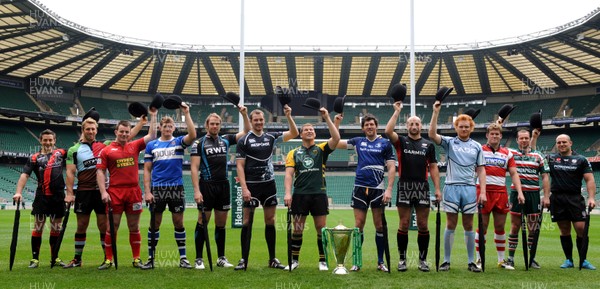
(168, 275)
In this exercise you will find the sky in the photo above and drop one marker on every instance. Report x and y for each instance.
(321, 22)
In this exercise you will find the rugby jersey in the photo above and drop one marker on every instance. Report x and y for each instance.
(414, 157)
(463, 159)
(48, 169)
(567, 172)
(83, 155)
(309, 164)
(213, 153)
(529, 167)
(166, 157)
(497, 163)
(121, 161)
(257, 150)
(372, 157)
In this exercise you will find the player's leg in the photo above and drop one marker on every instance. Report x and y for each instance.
(180, 237)
(299, 210)
(469, 207)
(135, 239)
(515, 226)
(402, 234)
(320, 223)
(222, 205)
(199, 237)
(36, 238)
(158, 216)
(451, 203)
(485, 211)
(500, 238)
(578, 212)
(269, 202)
(422, 212)
(376, 203)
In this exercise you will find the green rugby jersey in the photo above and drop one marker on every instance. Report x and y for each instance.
(309, 163)
(529, 167)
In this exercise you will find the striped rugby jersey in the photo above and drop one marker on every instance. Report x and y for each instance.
(497, 163)
(529, 167)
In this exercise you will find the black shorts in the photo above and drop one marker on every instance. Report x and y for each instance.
(174, 196)
(315, 204)
(413, 194)
(263, 193)
(216, 195)
(50, 206)
(88, 201)
(566, 207)
(363, 198)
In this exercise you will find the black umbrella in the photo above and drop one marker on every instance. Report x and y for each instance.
(289, 237)
(206, 240)
(524, 237)
(113, 235)
(438, 224)
(13, 242)
(386, 243)
(61, 235)
(536, 238)
(153, 232)
(481, 237)
(585, 241)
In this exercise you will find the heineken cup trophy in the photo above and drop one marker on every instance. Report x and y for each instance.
(338, 240)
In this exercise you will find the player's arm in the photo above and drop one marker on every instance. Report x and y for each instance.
(240, 164)
(591, 189)
(391, 174)
(434, 173)
(517, 182)
(535, 134)
(138, 127)
(20, 185)
(293, 131)
(433, 135)
(189, 122)
(194, 165)
(101, 180)
(247, 126)
(148, 196)
(333, 131)
(391, 125)
(481, 175)
(70, 182)
(152, 129)
(546, 188)
(287, 182)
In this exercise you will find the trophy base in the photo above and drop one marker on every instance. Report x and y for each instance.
(340, 271)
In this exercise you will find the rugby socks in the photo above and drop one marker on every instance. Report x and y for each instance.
(243, 240)
(220, 240)
(402, 239)
(180, 240)
(320, 245)
(513, 243)
(567, 245)
(79, 244)
(108, 246)
(500, 240)
(271, 238)
(470, 241)
(199, 239)
(448, 242)
(477, 242)
(102, 236)
(423, 242)
(135, 241)
(156, 238)
(296, 246)
(36, 243)
(380, 246)
(53, 237)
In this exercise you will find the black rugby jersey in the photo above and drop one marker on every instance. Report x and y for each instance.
(213, 153)
(48, 169)
(567, 172)
(257, 150)
(414, 157)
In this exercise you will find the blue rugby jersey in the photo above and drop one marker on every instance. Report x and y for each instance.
(167, 161)
(463, 159)
(372, 158)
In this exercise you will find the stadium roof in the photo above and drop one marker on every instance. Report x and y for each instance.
(35, 43)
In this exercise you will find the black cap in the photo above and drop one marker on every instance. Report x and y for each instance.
(535, 120)
(283, 96)
(312, 103)
(398, 92)
(443, 92)
(157, 101)
(472, 112)
(172, 102)
(505, 110)
(137, 109)
(91, 113)
(338, 104)
(232, 97)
